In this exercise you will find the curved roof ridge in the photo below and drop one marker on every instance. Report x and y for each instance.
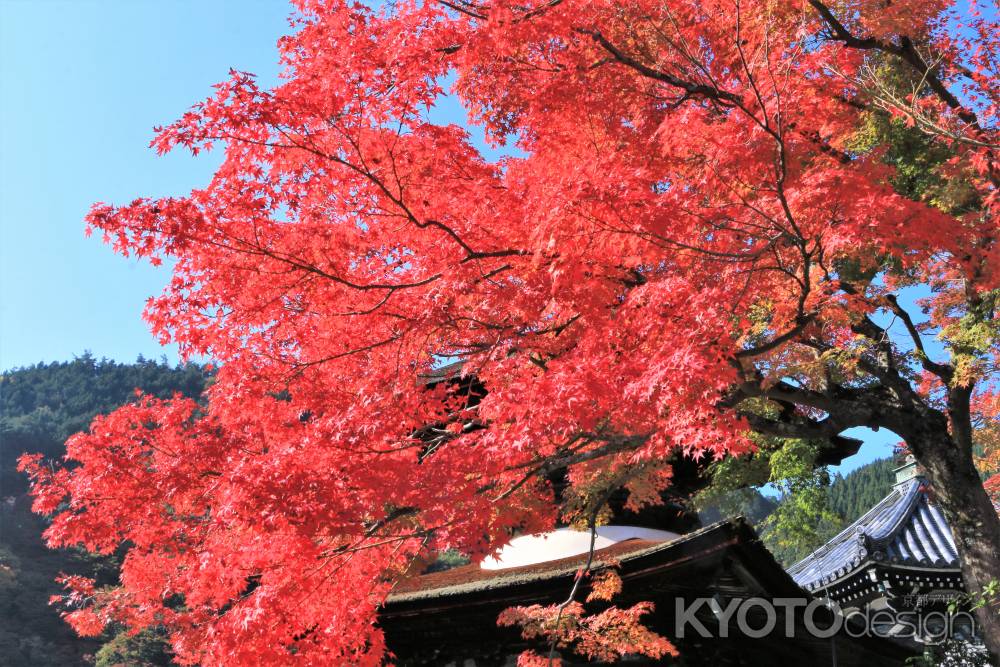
(857, 527)
(910, 495)
(889, 529)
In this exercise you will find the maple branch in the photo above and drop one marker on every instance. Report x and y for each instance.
(311, 268)
(886, 97)
(905, 50)
(463, 9)
(572, 455)
(373, 528)
(367, 174)
(783, 392)
(595, 509)
(340, 355)
(538, 10)
(398, 513)
(691, 89)
(509, 252)
(715, 93)
(592, 525)
(777, 341)
(943, 371)
(883, 366)
(813, 136)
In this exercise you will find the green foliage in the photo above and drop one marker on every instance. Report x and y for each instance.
(447, 560)
(929, 170)
(800, 520)
(40, 406)
(921, 169)
(148, 648)
(988, 597)
(810, 508)
(952, 653)
(732, 492)
(859, 491)
(803, 520)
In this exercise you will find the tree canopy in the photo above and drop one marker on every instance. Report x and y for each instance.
(715, 224)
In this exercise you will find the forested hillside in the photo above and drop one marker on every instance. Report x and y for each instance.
(40, 406)
(811, 515)
(857, 492)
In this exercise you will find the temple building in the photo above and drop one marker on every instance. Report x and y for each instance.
(449, 618)
(899, 557)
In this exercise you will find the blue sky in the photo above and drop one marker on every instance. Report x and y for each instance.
(83, 83)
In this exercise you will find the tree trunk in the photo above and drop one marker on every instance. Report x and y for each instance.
(974, 521)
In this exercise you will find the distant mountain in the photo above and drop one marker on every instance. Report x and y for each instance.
(794, 524)
(40, 406)
(857, 492)
(748, 502)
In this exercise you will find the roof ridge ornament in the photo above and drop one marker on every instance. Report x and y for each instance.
(909, 469)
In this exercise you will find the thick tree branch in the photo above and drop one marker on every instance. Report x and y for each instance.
(690, 89)
(777, 341)
(904, 50)
(943, 371)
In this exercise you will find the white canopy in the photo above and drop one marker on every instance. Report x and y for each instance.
(566, 542)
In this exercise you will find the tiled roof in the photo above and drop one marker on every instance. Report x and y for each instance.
(904, 528)
(446, 372)
(472, 578)
(469, 578)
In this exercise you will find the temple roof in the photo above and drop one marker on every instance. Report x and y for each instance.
(904, 529)
(472, 578)
(450, 617)
(565, 542)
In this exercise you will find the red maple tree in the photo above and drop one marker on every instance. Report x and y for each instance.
(691, 243)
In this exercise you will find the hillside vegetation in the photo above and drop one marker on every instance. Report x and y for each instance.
(857, 492)
(40, 406)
